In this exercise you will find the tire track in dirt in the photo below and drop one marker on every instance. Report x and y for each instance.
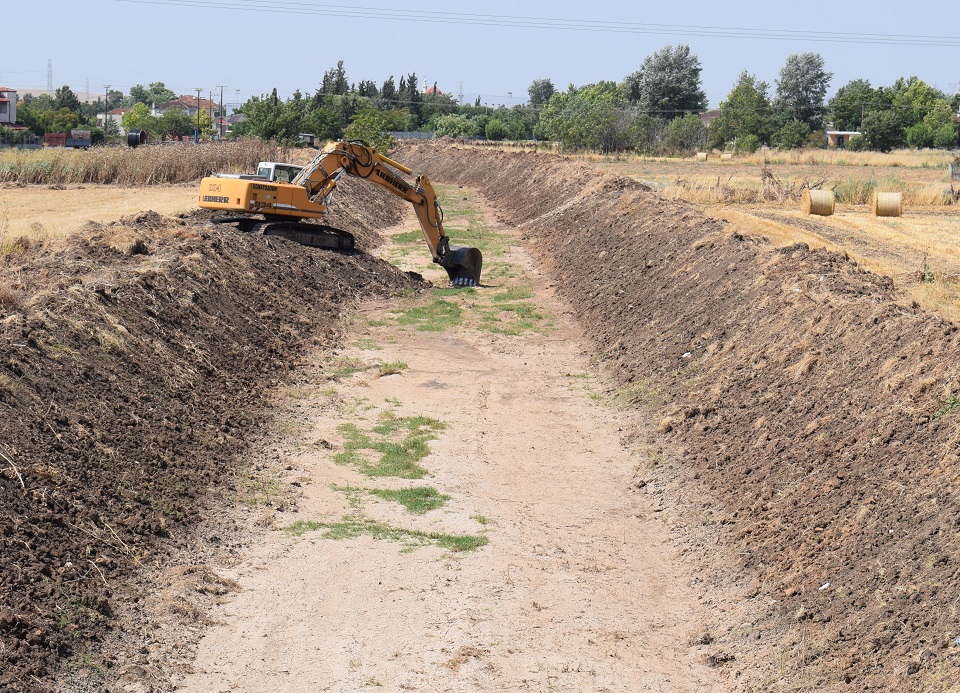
(579, 587)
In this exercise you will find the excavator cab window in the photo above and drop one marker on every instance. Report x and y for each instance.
(285, 174)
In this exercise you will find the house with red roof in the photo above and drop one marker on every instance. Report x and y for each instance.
(190, 104)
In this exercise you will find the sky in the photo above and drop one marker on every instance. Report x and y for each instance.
(489, 50)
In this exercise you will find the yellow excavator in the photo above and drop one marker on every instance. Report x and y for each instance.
(280, 209)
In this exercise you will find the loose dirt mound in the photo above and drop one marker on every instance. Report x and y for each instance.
(817, 414)
(133, 362)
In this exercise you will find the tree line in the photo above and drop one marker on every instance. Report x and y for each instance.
(656, 109)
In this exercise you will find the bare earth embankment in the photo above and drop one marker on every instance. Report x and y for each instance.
(812, 406)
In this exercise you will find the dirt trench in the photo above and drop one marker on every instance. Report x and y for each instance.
(576, 587)
(806, 415)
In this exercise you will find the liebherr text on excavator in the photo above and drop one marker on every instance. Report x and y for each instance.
(278, 209)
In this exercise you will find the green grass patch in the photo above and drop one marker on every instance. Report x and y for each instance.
(392, 367)
(393, 447)
(952, 404)
(419, 500)
(511, 318)
(513, 293)
(438, 316)
(481, 519)
(408, 237)
(355, 526)
(479, 235)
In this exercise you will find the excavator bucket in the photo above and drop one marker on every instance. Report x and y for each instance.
(463, 265)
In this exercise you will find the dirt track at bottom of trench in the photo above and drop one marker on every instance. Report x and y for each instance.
(578, 587)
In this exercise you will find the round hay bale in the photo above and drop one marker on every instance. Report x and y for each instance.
(726, 157)
(701, 156)
(887, 204)
(819, 202)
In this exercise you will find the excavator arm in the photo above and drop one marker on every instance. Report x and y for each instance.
(354, 158)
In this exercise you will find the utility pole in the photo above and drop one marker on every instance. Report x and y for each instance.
(197, 137)
(106, 109)
(220, 117)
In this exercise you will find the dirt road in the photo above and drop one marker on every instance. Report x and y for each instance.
(577, 587)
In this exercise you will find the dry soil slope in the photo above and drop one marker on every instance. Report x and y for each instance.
(133, 362)
(817, 411)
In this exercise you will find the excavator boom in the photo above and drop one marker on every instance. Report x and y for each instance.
(307, 195)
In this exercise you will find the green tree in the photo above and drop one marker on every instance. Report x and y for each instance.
(920, 136)
(668, 83)
(945, 137)
(335, 81)
(747, 111)
(412, 99)
(540, 91)
(913, 99)
(496, 130)
(368, 88)
(517, 129)
(268, 118)
(175, 119)
(647, 134)
(687, 134)
(139, 118)
(793, 134)
(36, 113)
(155, 93)
(941, 114)
(65, 120)
(437, 103)
(591, 117)
(802, 87)
(455, 125)
(748, 144)
(851, 103)
(65, 98)
(370, 128)
(882, 131)
(388, 93)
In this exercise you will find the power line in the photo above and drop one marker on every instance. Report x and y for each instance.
(549, 23)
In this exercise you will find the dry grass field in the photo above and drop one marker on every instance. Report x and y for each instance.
(759, 194)
(43, 212)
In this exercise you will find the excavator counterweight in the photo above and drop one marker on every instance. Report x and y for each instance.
(280, 208)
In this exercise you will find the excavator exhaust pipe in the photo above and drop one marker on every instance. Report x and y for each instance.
(463, 265)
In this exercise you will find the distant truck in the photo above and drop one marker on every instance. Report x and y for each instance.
(268, 170)
(77, 139)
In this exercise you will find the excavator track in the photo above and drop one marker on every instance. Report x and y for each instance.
(313, 235)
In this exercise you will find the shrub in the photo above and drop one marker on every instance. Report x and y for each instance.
(496, 130)
(748, 144)
(686, 134)
(792, 135)
(857, 144)
(945, 137)
(920, 136)
(369, 127)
